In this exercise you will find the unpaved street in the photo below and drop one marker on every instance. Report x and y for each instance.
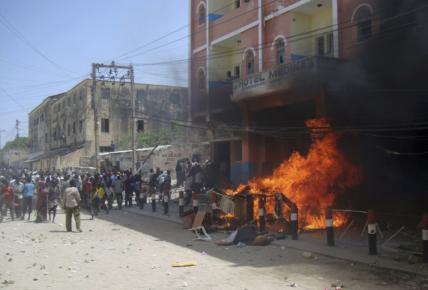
(127, 251)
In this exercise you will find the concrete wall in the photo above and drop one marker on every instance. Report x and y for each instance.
(165, 157)
(15, 157)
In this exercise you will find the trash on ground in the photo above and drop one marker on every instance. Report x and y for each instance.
(229, 240)
(308, 255)
(184, 264)
(241, 245)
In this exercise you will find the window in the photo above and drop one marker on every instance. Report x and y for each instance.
(68, 130)
(329, 44)
(320, 45)
(105, 126)
(54, 135)
(249, 61)
(140, 126)
(202, 14)
(201, 79)
(140, 95)
(105, 149)
(363, 17)
(237, 71)
(280, 51)
(74, 127)
(46, 138)
(174, 98)
(105, 93)
(237, 148)
(364, 29)
(237, 4)
(80, 126)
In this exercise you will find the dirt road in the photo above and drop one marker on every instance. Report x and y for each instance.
(126, 251)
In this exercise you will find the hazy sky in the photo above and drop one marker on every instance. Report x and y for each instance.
(53, 43)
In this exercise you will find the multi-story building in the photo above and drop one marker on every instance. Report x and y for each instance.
(62, 127)
(258, 65)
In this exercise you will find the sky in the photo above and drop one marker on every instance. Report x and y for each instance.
(48, 46)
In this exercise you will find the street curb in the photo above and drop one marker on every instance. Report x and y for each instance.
(376, 262)
(160, 217)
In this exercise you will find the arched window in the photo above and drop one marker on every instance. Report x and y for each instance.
(249, 61)
(201, 79)
(362, 16)
(202, 16)
(280, 51)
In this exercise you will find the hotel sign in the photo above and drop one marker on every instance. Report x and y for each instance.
(271, 80)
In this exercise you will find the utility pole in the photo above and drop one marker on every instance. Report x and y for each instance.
(17, 128)
(112, 72)
(95, 108)
(134, 149)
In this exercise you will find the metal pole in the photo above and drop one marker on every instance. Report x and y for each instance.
(95, 107)
(134, 151)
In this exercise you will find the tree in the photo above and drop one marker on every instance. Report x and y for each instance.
(17, 143)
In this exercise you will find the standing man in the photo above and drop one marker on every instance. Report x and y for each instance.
(118, 188)
(18, 189)
(71, 204)
(27, 203)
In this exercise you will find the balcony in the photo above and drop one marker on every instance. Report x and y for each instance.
(225, 17)
(297, 80)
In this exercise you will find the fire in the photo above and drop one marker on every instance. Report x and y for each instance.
(313, 181)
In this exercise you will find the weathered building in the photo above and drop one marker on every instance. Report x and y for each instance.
(62, 127)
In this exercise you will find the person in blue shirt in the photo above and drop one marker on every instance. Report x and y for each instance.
(28, 198)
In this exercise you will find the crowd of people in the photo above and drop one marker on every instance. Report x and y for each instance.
(21, 191)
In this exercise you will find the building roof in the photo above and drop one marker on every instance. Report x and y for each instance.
(45, 101)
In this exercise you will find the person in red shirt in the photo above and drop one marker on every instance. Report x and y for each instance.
(8, 198)
(88, 190)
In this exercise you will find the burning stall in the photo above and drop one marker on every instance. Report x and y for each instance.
(303, 186)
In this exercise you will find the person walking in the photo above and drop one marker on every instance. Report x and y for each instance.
(8, 200)
(42, 201)
(71, 201)
(118, 189)
(53, 198)
(18, 188)
(101, 198)
(27, 203)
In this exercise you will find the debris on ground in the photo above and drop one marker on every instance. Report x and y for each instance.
(229, 240)
(241, 245)
(308, 255)
(337, 285)
(263, 240)
(184, 264)
(8, 282)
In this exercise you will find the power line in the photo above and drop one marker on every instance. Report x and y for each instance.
(168, 34)
(9, 26)
(13, 99)
(291, 39)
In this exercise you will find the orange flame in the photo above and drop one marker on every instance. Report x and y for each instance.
(313, 181)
